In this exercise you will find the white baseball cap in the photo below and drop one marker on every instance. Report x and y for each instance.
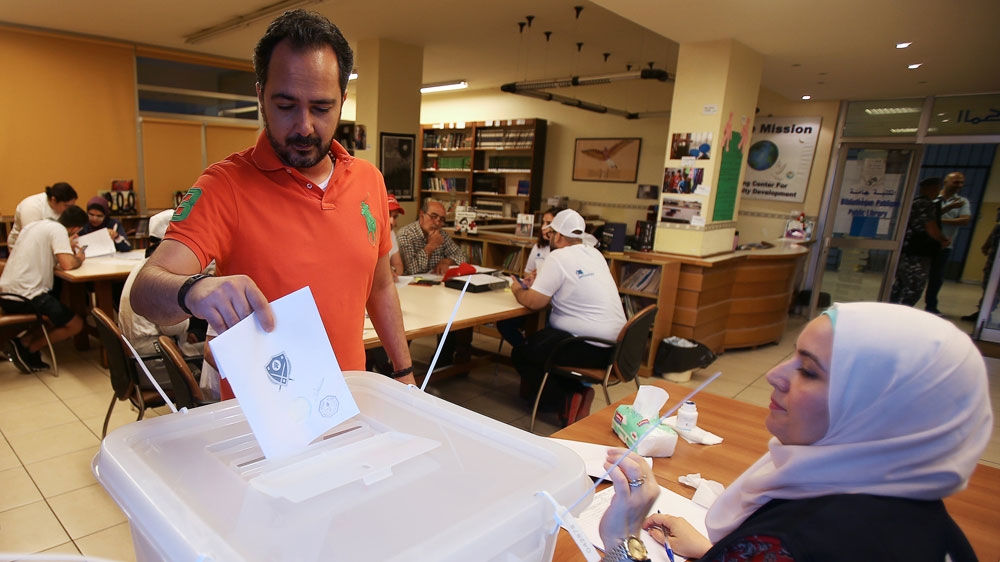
(570, 224)
(158, 223)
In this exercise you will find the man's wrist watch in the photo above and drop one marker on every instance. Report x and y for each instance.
(183, 291)
(629, 550)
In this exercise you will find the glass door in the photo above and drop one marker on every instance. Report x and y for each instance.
(865, 223)
(988, 324)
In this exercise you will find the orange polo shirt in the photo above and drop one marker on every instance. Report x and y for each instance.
(255, 216)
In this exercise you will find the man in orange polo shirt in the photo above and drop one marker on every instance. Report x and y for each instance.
(294, 210)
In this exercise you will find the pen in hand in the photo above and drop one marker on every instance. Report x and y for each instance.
(666, 542)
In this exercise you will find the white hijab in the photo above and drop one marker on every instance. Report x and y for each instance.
(909, 417)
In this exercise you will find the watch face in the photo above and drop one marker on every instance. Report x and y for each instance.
(636, 550)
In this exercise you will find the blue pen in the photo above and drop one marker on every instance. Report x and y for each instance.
(666, 542)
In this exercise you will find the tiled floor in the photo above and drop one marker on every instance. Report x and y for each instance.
(50, 427)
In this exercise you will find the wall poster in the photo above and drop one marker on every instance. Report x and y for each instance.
(780, 158)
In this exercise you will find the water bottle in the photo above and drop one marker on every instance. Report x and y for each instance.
(687, 416)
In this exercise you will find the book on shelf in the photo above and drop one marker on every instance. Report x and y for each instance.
(465, 220)
(525, 224)
(523, 187)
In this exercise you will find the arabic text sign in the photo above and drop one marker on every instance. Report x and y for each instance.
(869, 198)
(780, 158)
(966, 115)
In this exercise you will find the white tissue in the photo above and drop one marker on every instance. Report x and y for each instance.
(706, 491)
(695, 435)
(631, 422)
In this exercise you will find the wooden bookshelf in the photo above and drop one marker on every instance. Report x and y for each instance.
(495, 166)
(642, 282)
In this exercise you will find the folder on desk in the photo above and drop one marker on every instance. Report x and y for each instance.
(478, 282)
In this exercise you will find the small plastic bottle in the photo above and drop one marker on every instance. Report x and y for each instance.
(687, 416)
(736, 241)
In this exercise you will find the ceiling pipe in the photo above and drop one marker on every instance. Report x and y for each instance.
(534, 89)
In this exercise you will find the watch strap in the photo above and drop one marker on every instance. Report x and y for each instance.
(183, 291)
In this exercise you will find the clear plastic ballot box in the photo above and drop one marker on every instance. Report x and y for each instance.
(413, 477)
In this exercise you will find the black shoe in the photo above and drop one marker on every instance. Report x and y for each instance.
(18, 354)
(971, 317)
(34, 361)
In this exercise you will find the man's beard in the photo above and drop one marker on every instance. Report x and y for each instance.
(294, 157)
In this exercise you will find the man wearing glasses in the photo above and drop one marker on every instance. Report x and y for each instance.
(425, 248)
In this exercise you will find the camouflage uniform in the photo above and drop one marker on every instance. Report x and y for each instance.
(915, 260)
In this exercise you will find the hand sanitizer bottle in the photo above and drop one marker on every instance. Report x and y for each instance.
(687, 416)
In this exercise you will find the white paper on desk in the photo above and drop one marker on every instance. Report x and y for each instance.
(98, 243)
(288, 381)
(593, 455)
(668, 502)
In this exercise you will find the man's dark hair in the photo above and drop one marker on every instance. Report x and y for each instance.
(930, 182)
(73, 216)
(303, 30)
(62, 192)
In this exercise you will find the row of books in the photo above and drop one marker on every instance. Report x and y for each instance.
(504, 138)
(632, 304)
(433, 161)
(641, 280)
(512, 261)
(445, 184)
(492, 208)
(505, 163)
(473, 252)
(447, 140)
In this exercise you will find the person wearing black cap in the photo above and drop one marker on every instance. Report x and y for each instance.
(99, 216)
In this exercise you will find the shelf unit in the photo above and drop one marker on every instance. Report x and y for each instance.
(642, 282)
(498, 250)
(495, 166)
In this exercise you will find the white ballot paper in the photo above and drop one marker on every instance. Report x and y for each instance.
(288, 381)
(97, 243)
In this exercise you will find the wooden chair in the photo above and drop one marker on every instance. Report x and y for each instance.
(187, 391)
(629, 351)
(127, 379)
(11, 320)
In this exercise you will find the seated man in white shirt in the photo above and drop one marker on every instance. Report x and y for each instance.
(41, 246)
(577, 283)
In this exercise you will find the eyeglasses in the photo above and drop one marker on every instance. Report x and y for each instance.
(436, 217)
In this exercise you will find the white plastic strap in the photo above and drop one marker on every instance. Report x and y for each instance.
(566, 520)
(156, 385)
(444, 336)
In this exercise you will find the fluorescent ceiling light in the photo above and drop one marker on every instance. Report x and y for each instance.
(903, 45)
(243, 20)
(891, 110)
(903, 130)
(807, 97)
(444, 87)
(914, 66)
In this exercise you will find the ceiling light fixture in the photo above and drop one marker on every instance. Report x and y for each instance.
(914, 66)
(807, 97)
(534, 89)
(891, 110)
(243, 20)
(903, 45)
(444, 87)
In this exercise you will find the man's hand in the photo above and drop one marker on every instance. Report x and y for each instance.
(224, 301)
(434, 241)
(444, 265)
(953, 205)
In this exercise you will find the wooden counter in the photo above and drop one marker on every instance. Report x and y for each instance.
(733, 300)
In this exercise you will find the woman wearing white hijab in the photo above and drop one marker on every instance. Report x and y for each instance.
(882, 411)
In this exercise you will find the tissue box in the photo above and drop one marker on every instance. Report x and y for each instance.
(412, 477)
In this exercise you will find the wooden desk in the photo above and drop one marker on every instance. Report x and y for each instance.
(102, 272)
(426, 310)
(975, 509)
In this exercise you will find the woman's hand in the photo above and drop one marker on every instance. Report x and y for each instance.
(685, 540)
(635, 491)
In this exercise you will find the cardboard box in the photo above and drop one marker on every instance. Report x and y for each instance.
(413, 477)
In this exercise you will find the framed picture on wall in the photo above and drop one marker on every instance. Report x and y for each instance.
(612, 159)
(396, 157)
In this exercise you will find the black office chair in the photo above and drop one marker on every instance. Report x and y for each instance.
(127, 379)
(10, 320)
(629, 351)
(187, 391)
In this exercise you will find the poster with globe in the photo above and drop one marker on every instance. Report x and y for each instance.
(780, 158)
